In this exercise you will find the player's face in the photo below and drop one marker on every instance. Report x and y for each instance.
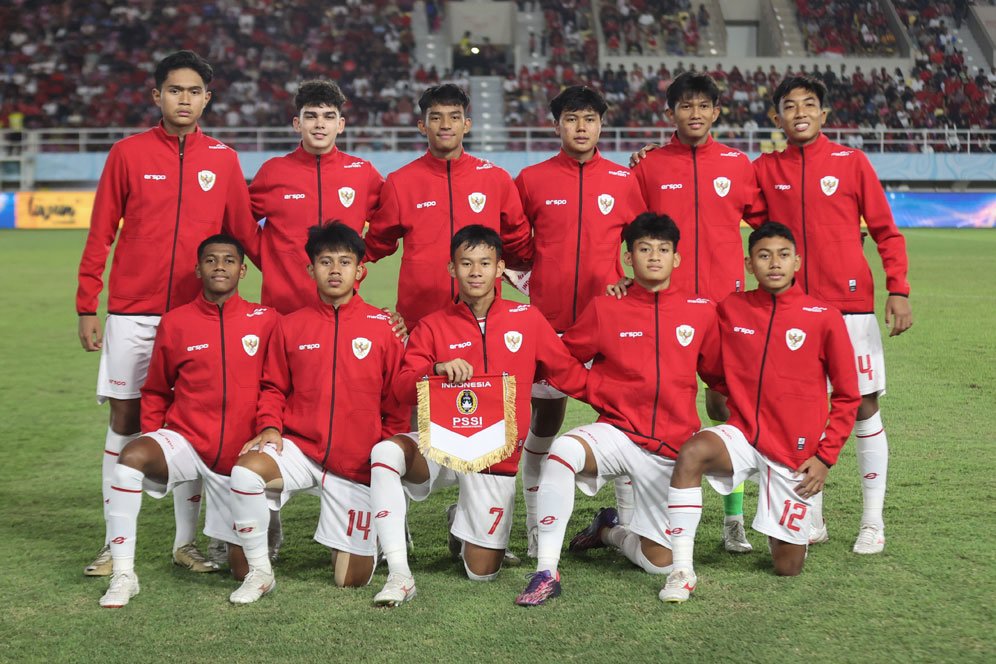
(445, 127)
(652, 261)
(800, 116)
(693, 117)
(220, 269)
(182, 100)
(335, 271)
(319, 126)
(774, 262)
(476, 269)
(579, 132)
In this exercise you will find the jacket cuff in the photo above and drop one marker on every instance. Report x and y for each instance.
(906, 295)
(823, 461)
(86, 313)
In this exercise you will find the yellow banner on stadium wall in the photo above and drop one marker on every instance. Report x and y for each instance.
(53, 209)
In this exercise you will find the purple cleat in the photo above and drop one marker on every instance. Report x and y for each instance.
(542, 586)
(591, 537)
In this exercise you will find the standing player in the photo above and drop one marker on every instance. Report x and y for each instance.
(427, 201)
(578, 204)
(325, 399)
(479, 333)
(646, 349)
(780, 346)
(822, 191)
(172, 186)
(707, 188)
(198, 404)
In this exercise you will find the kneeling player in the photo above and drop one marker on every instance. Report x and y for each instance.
(646, 349)
(198, 404)
(325, 399)
(779, 348)
(478, 333)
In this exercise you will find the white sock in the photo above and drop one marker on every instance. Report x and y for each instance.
(113, 444)
(387, 502)
(873, 464)
(555, 500)
(684, 510)
(186, 511)
(816, 510)
(629, 544)
(534, 452)
(625, 500)
(122, 516)
(252, 516)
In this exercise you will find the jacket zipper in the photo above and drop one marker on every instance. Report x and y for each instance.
(335, 360)
(657, 363)
(449, 188)
(318, 170)
(695, 188)
(760, 377)
(577, 255)
(484, 332)
(176, 229)
(805, 240)
(224, 385)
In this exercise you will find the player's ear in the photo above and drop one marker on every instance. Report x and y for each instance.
(296, 123)
(748, 265)
(242, 271)
(628, 258)
(197, 270)
(421, 126)
(207, 96)
(361, 271)
(677, 259)
(797, 262)
(501, 267)
(311, 270)
(451, 268)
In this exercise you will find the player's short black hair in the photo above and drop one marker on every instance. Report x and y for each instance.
(474, 236)
(578, 98)
(318, 92)
(689, 85)
(447, 94)
(653, 227)
(221, 238)
(334, 236)
(183, 60)
(769, 229)
(807, 83)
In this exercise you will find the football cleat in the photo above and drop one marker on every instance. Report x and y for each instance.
(101, 565)
(256, 584)
(541, 587)
(591, 537)
(818, 535)
(679, 586)
(735, 537)
(398, 590)
(871, 539)
(510, 559)
(124, 586)
(217, 552)
(190, 557)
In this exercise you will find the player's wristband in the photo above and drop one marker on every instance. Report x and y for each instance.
(824, 461)
(85, 313)
(906, 295)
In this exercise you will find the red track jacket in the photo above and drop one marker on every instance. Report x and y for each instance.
(204, 376)
(777, 355)
(821, 192)
(707, 190)
(516, 340)
(578, 211)
(295, 192)
(426, 202)
(647, 348)
(327, 384)
(170, 201)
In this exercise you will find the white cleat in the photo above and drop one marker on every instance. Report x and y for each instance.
(124, 586)
(532, 539)
(735, 537)
(818, 535)
(679, 586)
(101, 565)
(871, 539)
(398, 590)
(256, 584)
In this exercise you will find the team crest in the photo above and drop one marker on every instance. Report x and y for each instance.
(829, 185)
(361, 347)
(606, 203)
(513, 341)
(722, 186)
(466, 402)
(346, 196)
(794, 338)
(477, 201)
(685, 334)
(250, 344)
(206, 179)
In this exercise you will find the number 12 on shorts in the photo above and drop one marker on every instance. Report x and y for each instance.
(360, 521)
(793, 512)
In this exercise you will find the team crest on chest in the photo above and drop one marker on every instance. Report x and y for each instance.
(722, 186)
(606, 203)
(206, 179)
(513, 341)
(361, 347)
(477, 201)
(346, 196)
(685, 334)
(794, 338)
(250, 344)
(829, 185)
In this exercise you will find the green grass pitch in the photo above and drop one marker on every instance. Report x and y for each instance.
(929, 597)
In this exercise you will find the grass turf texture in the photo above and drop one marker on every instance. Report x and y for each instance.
(930, 596)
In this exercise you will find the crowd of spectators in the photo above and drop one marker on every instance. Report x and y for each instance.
(652, 27)
(845, 27)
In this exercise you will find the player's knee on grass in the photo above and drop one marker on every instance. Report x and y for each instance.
(548, 416)
(657, 558)
(145, 455)
(351, 571)
(125, 416)
(788, 559)
(482, 564)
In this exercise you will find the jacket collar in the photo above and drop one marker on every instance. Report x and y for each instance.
(789, 296)
(212, 309)
(816, 147)
(567, 160)
(328, 311)
(676, 144)
(192, 140)
(439, 165)
(641, 294)
(305, 157)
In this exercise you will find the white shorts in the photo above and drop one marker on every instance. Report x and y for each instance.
(869, 358)
(344, 517)
(184, 464)
(781, 512)
(484, 506)
(544, 390)
(125, 355)
(618, 456)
